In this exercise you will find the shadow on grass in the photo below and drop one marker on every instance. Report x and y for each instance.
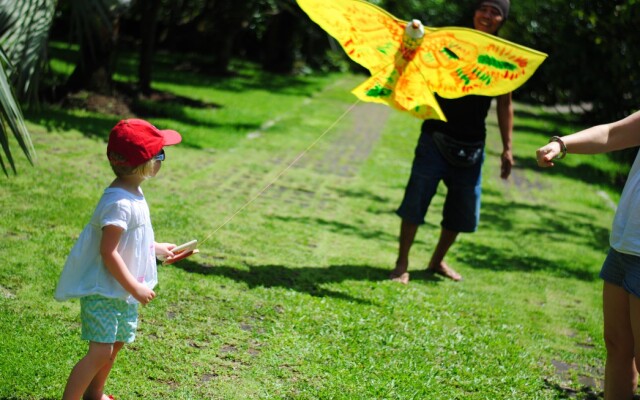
(177, 111)
(560, 121)
(555, 226)
(584, 393)
(99, 125)
(355, 229)
(495, 259)
(56, 119)
(246, 78)
(19, 398)
(566, 226)
(584, 172)
(307, 280)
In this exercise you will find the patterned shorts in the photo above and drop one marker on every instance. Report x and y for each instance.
(106, 320)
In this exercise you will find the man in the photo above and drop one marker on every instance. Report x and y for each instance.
(466, 129)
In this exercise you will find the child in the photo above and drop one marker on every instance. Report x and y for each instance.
(621, 268)
(112, 266)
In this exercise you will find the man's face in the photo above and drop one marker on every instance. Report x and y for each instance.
(487, 19)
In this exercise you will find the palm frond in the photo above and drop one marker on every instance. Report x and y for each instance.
(89, 17)
(25, 39)
(11, 116)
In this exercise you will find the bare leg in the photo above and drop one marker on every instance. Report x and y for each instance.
(408, 232)
(86, 370)
(437, 264)
(634, 316)
(620, 375)
(95, 391)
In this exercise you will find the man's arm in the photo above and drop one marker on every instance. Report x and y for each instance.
(505, 123)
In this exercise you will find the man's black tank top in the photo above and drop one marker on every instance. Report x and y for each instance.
(465, 118)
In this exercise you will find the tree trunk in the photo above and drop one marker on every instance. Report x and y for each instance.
(279, 43)
(149, 24)
(94, 70)
(227, 17)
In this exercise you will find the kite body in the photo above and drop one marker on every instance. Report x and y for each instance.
(407, 66)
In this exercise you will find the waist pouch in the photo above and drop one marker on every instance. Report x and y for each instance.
(456, 152)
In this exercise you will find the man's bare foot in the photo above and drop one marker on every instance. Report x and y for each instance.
(400, 274)
(444, 270)
(402, 278)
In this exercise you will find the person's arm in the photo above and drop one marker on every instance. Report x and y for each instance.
(116, 266)
(505, 123)
(597, 139)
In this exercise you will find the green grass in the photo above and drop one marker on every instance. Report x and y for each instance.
(290, 298)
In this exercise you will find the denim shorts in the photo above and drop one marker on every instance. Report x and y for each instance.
(461, 212)
(622, 270)
(106, 320)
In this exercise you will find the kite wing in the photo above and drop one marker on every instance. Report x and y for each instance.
(374, 39)
(407, 70)
(367, 33)
(459, 61)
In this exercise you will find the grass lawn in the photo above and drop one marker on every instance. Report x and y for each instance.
(289, 297)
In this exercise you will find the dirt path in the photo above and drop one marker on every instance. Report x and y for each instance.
(348, 150)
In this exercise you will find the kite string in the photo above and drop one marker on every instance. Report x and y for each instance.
(264, 189)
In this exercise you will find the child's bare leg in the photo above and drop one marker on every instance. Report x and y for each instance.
(620, 376)
(95, 391)
(86, 369)
(634, 305)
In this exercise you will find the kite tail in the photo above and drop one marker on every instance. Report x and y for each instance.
(382, 88)
(377, 89)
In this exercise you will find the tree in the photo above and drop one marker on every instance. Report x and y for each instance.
(148, 32)
(593, 53)
(278, 41)
(24, 35)
(96, 27)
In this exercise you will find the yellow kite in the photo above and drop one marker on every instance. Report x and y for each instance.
(409, 62)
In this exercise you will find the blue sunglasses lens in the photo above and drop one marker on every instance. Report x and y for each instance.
(160, 156)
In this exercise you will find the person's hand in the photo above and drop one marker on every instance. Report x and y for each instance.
(507, 164)
(163, 250)
(143, 294)
(546, 154)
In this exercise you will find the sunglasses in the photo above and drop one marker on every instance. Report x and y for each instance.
(160, 156)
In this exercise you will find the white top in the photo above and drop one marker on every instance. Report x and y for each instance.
(84, 272)
(625, 234)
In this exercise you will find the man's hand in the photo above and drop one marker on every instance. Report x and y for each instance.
(507, 164)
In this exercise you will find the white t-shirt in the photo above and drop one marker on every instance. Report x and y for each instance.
(625, 234)
(84, 272)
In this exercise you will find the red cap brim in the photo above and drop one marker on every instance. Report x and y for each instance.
(170, 137)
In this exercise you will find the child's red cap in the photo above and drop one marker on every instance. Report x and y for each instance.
(135, 141)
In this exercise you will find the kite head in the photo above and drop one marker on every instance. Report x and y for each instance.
(412, 39)
(414, 29)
